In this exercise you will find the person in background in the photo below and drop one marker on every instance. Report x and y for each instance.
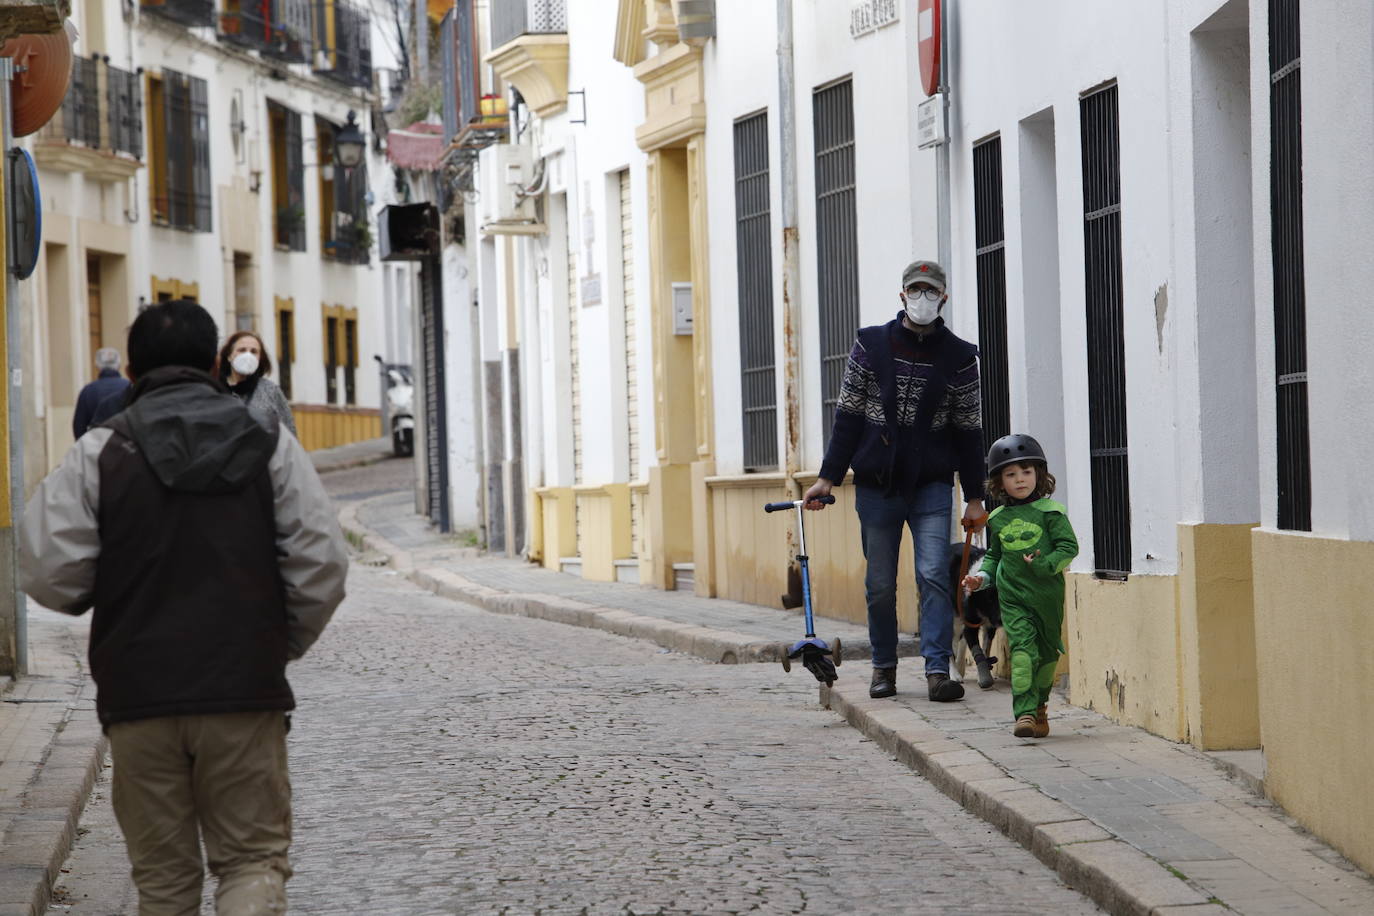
(108, 384)
(244, 366)
(210, 552)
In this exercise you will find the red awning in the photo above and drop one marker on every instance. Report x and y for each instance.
(418, 147)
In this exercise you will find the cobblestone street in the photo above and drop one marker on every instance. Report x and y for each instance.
(447, 760)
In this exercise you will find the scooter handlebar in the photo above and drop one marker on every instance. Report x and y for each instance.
(793, 504)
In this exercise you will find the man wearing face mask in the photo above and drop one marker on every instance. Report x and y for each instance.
(908, 418)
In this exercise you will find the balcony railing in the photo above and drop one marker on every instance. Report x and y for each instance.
(343, 43)
(247, 23)
(512, 18)
(277, 28)
(103, 110)
(185, 12)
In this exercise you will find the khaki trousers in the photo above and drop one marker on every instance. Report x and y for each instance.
(219, 778)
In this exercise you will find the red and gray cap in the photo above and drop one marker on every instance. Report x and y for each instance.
(924, 272)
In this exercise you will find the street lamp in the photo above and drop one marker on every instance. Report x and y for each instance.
(349, 144)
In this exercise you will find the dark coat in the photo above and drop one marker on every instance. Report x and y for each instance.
(109, 385)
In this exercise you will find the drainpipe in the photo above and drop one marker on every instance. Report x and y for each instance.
(791, 269)
(942, 165)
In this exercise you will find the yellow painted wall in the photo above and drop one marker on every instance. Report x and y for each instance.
(751, 550)
(1125, 642)
(750, 555)
(605, 529)
(558, 509)
(325, 427)
(1313, 633)
(1217, 636)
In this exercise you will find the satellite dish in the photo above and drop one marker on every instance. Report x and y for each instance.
(26, 213)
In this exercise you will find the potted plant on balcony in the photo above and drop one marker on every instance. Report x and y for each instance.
(290, 219)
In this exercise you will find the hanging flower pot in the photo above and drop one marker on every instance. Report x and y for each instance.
(38, 92)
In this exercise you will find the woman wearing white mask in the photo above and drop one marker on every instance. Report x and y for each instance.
(244, 366)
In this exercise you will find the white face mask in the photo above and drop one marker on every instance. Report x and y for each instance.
(922, 310)
(245, 364)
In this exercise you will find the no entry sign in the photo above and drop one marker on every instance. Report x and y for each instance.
(928, 43)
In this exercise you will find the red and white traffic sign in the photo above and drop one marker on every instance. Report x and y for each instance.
(928, 44)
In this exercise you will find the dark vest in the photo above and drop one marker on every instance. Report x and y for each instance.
(190, 612)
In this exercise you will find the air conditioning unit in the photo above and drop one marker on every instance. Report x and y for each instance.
(505, 170)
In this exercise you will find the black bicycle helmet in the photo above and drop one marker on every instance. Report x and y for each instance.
(1012, 449)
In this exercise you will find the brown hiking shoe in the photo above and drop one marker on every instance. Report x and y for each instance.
(1042, 723)
(1025, 726)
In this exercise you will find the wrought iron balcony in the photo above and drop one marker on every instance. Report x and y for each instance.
(103, 112)
(247, 23)
(185, 12)
(343, 43)
(277, 28)
(512, 18)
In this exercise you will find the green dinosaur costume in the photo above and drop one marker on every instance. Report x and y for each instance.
(1031, 594)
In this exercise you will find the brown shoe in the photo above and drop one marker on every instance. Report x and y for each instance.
(1025, 726)
(1042, 723)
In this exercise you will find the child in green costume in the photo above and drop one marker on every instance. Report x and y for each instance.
(1029, 546)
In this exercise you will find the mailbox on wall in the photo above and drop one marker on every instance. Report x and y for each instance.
(682, 308)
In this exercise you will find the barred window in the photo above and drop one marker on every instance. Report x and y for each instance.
(179, 151)
(990, 239)
(836, 237)
(1106, 333)
(1290, 298)
(754, 274)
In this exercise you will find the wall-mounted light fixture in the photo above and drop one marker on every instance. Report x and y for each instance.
(349, 143)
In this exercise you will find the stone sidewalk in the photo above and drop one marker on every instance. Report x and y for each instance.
(51, 749)
(1140, 824)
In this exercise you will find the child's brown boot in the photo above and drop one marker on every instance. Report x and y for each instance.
(1042, 723)
(1025, 726)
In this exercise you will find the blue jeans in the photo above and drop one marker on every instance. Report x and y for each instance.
(881, 518)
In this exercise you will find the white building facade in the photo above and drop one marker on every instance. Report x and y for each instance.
(680, 240)
(194, 158)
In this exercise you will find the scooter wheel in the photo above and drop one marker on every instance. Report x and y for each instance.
(835, 651)
(786, 662)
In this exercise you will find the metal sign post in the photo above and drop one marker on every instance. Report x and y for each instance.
(13, 390)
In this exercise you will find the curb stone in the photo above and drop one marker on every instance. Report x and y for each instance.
(39, 830)
(1112, 873)
(721, 646)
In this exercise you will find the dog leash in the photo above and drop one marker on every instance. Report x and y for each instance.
(963, 569)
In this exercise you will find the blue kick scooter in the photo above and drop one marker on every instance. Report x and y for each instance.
(816, 656)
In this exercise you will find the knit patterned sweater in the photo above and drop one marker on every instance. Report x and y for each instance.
(909, 411)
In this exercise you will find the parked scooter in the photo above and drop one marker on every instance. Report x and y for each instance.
(400, 399)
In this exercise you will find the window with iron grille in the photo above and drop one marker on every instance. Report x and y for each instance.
(1290, 298)
(837, 248)
(343, 43)
(81, 107)
(286, 333)
(1106, 333)
(350, 359)
(179, 151)
(331, 360)
(288, 177)
(125, 111)
(754, 275)
(353, 233)
(990, 241)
